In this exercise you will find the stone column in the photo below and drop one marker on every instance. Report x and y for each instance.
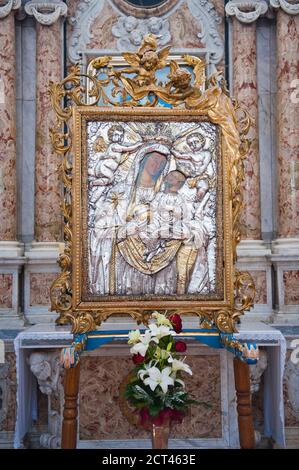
(48, 221)
(43, 253)
(8, 229)
(10, 249)
(245, 90)
(286, 247)
(252, 251)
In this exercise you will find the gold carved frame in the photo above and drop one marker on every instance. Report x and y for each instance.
(190, 96)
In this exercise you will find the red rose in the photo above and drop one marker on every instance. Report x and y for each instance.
(176, 322)
(165, 414)
(158, 420)
(177, 416)
(180, 346)
(144, 416)
(138, 359)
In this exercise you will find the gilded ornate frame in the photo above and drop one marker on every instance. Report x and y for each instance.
(142, 95)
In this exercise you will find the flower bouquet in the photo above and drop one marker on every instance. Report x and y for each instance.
(155, 388)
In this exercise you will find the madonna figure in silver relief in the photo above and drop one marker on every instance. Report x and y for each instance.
(151, 208)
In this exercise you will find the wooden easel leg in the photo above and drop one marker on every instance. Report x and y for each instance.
(70, 412)
(245, 418)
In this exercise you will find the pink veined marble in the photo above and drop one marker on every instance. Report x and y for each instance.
(100, 29)
(184, 29)
(6, 290)
(245, 90)
(260, 282)
(7, 129)
(40, 284)
(48, 190)
(100, 415)
(7, 422)
(288, 124)
(291, 287)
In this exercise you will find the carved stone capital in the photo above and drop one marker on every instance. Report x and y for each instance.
(292, 384)
(46, 368)
(8, 6)
(246, 11)
(46, 12)
(288, 7)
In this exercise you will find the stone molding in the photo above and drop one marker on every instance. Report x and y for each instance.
(287, 7)
(246, 11)
(8, 7)
(46, 13)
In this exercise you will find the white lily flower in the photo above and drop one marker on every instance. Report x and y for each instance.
(177, 365)
(134, 336)
(161, 353)
(144, 371)
(156, 377)
(161, 319)
(160, 331)
(143, 345)
(180, 382)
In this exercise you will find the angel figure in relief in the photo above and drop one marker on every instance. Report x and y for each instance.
(109, 161)
(145, 63)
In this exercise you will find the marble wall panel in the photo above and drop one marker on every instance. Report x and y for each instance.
(8, 415)
(260, 282)
(40, 284)
(6, 288)
(100, 415)
(291, 287)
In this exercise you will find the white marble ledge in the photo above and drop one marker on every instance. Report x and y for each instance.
(51, 335)
(259, 332)
(46, 335)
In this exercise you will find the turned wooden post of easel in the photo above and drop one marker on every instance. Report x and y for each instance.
(245, 418)
(70, 411)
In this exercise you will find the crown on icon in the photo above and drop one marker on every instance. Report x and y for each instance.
(160, 132)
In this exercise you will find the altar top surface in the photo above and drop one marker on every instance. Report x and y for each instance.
(51, 335)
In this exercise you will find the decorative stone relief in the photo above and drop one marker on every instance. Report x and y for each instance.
(246, 11)
(46, 368)
(292, 383)
(257, 370)
(46, 13)
(8, 7)
(205, 13)
(86, 12)
(130, 31)
(288, 7)
(52, 439)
